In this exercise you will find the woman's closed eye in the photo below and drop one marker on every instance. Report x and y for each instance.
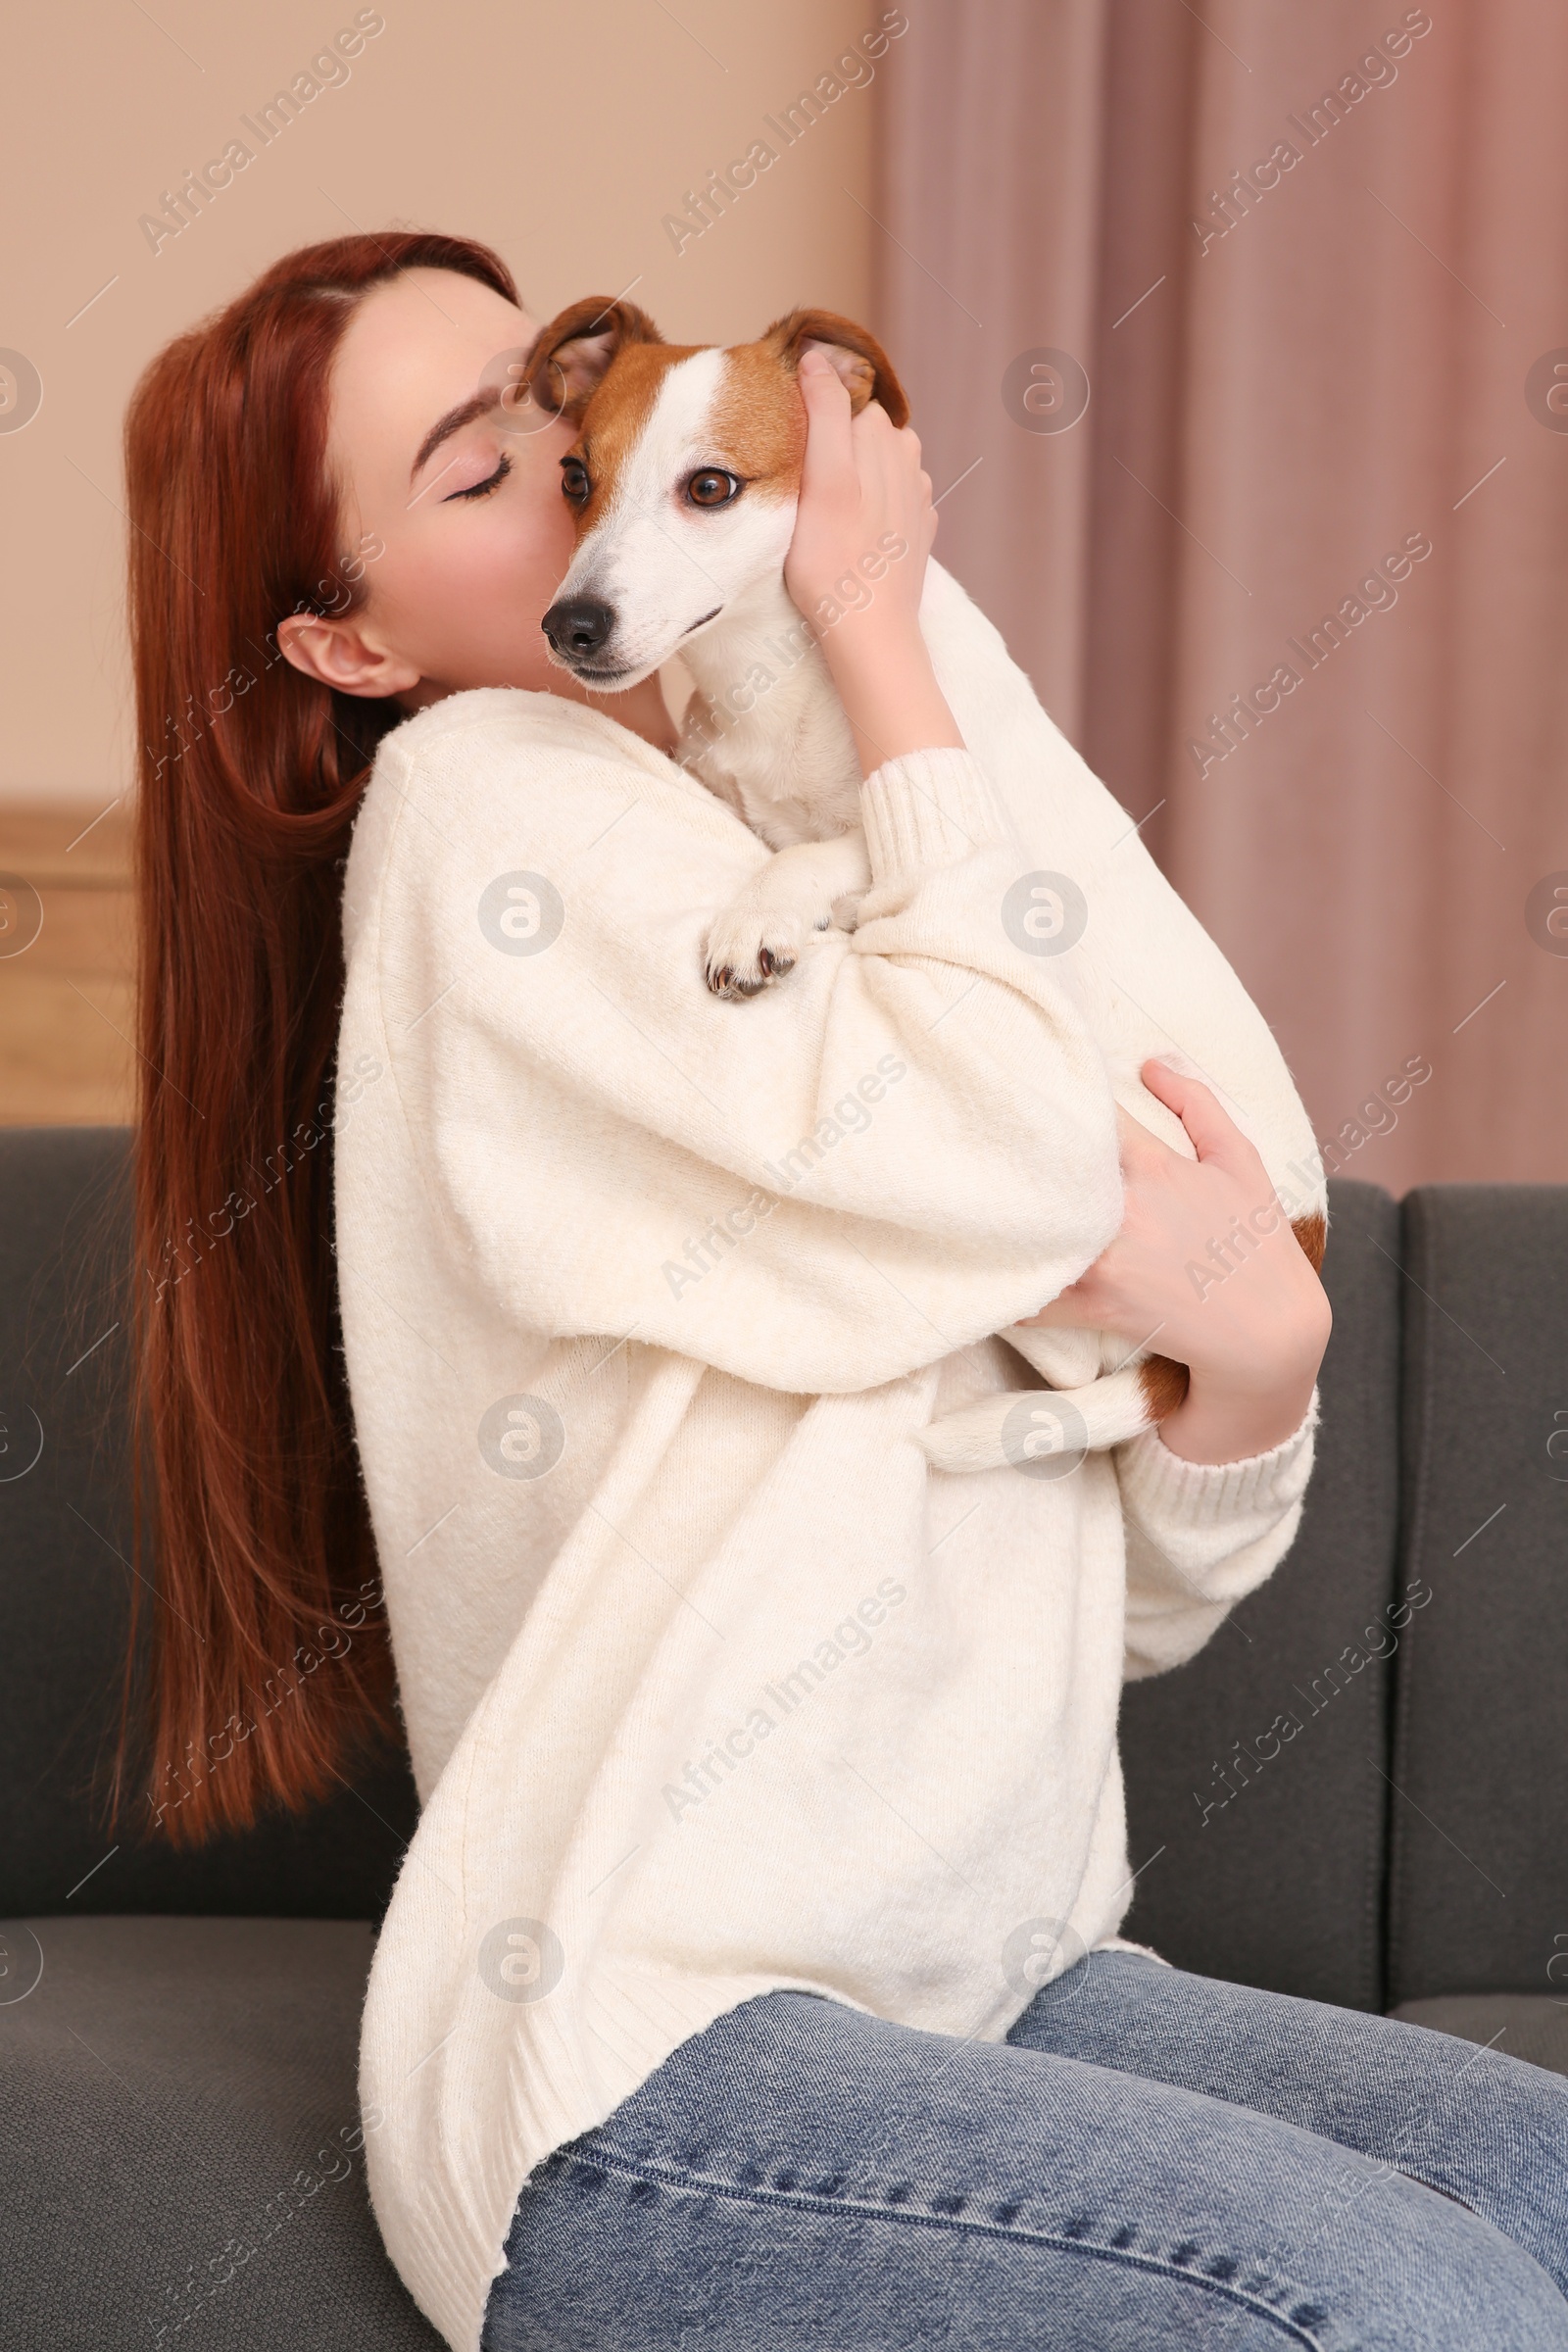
(482, 489)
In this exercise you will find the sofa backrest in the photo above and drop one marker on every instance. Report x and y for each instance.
(1479, 1820)
(1255, 1772)
(1407, 1832)
(65, 1578)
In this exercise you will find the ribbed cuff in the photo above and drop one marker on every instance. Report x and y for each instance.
(928, 809)
(1161, 1489)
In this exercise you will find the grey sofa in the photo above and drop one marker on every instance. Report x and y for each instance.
(1357, 1792)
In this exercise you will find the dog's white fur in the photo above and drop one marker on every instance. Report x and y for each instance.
(709, 584)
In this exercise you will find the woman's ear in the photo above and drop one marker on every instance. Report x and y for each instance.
(343, 654)
(572, 354)
(854, 354)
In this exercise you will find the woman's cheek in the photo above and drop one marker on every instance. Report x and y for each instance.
(550, 543)
(463, 594)
(523, 573)
(486, 606)
(478, 577)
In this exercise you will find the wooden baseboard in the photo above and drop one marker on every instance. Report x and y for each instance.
(68, 985)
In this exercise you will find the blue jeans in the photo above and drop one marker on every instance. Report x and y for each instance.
(1150, 2159)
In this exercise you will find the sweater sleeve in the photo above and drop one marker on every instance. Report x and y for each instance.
(1200, 1536)
(903, 1146)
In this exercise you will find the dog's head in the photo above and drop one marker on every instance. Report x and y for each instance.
(684, 475)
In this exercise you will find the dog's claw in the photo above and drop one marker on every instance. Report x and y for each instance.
(738, 988)
(724, 983)
(749, 948)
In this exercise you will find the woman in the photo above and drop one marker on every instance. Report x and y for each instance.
(753, 1977)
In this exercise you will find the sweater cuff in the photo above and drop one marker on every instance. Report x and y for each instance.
(928, 809)
(1159, 1488)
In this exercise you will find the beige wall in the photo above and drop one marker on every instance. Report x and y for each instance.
(560, 135)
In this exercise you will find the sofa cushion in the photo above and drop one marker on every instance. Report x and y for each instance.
(1479, 1774)
(1270, 1864)
(64, 1579)
(182, 2144)
(1527, 2025)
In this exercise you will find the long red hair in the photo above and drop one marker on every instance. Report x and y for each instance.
(267, 1659)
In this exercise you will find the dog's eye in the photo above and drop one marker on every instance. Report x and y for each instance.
(712, 487)
(574, 480)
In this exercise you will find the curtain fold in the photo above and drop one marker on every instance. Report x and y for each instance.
(1295, 577)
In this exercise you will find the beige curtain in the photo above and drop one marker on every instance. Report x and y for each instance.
(1295, 578)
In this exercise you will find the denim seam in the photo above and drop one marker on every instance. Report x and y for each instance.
(699, 2183)
(1438, 2189)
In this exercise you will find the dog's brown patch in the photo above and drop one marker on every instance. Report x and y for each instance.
(601, 361)
(1313, 1234)
(757, 424)
(617, 416)
(1165, 1384)
(758, 420)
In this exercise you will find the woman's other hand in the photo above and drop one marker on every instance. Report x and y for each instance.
(856, 569)
(1206, 1270)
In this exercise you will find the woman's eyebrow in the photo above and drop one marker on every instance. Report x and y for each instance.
(453, 423)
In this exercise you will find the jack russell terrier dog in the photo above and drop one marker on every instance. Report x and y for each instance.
(684, 480)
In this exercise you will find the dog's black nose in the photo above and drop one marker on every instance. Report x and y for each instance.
(579, 625)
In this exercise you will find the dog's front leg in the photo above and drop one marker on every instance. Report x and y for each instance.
(802, 889)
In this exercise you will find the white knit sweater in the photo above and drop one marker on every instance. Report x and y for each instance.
(710, 1686)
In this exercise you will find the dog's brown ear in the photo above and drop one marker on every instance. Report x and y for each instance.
(571, 354)
(857, 356)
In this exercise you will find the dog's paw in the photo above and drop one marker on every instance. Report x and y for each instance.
(803, 889)
(750, 947)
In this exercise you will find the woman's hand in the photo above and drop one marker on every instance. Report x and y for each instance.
(1207, 1269)
(856, 565)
